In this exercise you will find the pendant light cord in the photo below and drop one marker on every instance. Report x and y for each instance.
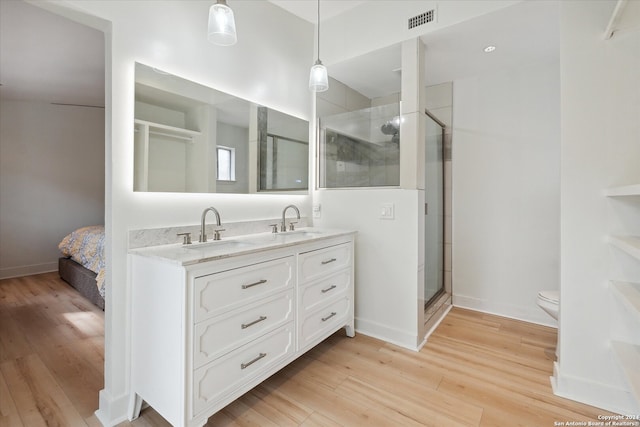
(318, 30)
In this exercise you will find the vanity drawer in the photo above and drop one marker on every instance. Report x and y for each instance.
(327, 289)
(221, 334)
(226, 374)
(323, 322)
(218, 293)
(317, 264)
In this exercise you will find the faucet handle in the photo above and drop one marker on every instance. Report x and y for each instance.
(186, 238)
(216, 233)
(292, 226)
(274, 228)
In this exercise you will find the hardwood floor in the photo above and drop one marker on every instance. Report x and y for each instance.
(476, 370)
(51, 353)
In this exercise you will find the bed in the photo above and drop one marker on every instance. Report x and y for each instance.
(82, 264)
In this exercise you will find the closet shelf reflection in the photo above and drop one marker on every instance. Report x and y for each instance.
(166, 130)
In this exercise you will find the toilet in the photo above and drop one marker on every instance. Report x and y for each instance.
(549, 301)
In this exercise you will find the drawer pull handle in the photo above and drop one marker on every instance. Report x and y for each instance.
(258, 320)
(251, 285)
(333, 313)
(324, 291)
(251, 362)
(329, 261)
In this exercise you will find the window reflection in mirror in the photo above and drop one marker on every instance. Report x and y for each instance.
(191, 138)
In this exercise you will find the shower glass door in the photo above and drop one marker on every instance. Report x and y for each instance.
(434, 210)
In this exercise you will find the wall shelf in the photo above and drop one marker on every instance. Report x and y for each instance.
(628, 244)
(628, 356)
(628, 294)
(625, 190)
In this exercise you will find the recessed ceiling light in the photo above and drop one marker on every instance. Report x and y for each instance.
(489, 49)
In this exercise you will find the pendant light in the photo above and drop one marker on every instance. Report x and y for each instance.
(318, 78)
(222, 25)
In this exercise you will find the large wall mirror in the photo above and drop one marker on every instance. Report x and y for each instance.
(195, 139)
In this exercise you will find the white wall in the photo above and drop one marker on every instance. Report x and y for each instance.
(267, 66)
(51, 180)
(506, 184)
(386, 261)
(600, 149)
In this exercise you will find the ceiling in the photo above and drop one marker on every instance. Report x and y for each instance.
(308, 9)
(32, 41)
(46, 57)
(524, 33)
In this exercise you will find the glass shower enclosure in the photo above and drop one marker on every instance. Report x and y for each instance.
(360, 148)
(434, 210)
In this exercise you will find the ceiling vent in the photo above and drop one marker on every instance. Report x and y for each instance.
(423, 18)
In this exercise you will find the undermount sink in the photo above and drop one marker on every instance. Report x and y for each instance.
(258, 239)
(290, 235)
(215, 244)
(304, 233)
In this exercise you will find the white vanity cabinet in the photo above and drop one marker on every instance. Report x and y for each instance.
(325, 293)
(205, 331)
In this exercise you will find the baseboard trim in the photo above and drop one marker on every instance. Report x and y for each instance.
(435, 322)
(387, 334)
(28, 270)
(525, 314)
(111, 411)
(591, 393)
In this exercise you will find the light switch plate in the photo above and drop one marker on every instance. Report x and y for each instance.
(316, 210)
(387, 211)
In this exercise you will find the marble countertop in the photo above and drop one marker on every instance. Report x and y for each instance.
(239, 245)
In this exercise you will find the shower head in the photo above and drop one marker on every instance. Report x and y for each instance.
(392, 127)
(389, 128)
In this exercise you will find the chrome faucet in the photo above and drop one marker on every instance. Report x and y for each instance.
(216, 231)
(283, 226)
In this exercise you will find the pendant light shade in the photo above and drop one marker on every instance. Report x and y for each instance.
(318, 77)
(222, 25)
